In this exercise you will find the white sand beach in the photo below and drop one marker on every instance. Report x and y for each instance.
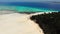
(15, 23)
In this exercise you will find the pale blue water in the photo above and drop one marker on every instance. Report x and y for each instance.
(47, 5)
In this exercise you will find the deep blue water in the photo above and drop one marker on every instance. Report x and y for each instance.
(49, 5)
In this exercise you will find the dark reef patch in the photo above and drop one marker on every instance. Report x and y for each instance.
(26, 12)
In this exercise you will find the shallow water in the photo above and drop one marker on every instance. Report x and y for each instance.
(46, 5)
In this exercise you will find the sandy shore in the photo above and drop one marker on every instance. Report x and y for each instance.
(15, 23)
